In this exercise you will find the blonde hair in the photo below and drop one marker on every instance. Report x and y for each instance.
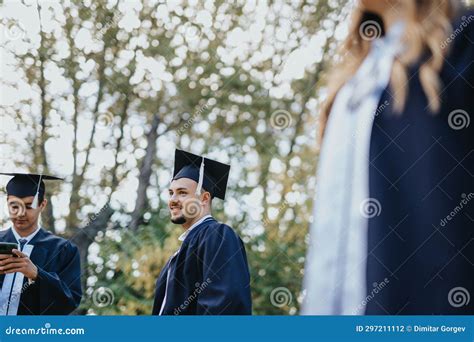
(428, 24)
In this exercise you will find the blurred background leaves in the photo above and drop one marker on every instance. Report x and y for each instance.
(101, 92)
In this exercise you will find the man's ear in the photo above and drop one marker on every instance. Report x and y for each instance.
(206, 198)
(43, 204)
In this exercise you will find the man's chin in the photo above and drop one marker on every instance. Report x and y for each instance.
(178, 220)
(21, 226)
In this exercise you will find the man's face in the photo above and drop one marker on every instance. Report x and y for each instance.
(22, 215)
(183, 203)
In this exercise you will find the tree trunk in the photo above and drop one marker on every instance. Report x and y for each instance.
(85, 236)
(145, 173)
(48, 217)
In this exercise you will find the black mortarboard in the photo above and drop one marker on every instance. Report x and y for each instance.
(209, 174)
(27, 184)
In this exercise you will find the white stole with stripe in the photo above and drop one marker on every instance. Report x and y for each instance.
(12, 289)
(335, 272)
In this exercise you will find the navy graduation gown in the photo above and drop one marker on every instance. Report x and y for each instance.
(57, 290)
(209, 275)
(421, 169)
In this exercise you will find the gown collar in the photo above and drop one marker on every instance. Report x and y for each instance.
(186, 233)
(27, 238)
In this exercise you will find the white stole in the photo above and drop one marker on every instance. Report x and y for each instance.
(12, 289)
(335, 275)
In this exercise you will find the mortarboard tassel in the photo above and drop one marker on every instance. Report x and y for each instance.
(34, 204)
(201, 178)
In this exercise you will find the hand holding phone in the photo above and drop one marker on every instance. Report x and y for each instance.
(6, 248)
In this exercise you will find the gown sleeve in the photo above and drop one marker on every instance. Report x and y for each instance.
(60, 292)
(160, 290)
(226, 278)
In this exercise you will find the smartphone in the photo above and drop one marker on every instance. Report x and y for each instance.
(7, 247)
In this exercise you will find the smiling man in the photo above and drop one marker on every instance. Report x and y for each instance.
(209, 273)
(41, 276)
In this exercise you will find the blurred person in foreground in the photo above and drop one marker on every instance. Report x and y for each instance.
(393, 217)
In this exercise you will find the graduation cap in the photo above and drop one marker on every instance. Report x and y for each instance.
(209, 174)
(27, 184)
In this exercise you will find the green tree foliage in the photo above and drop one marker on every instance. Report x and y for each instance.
(104, 81)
